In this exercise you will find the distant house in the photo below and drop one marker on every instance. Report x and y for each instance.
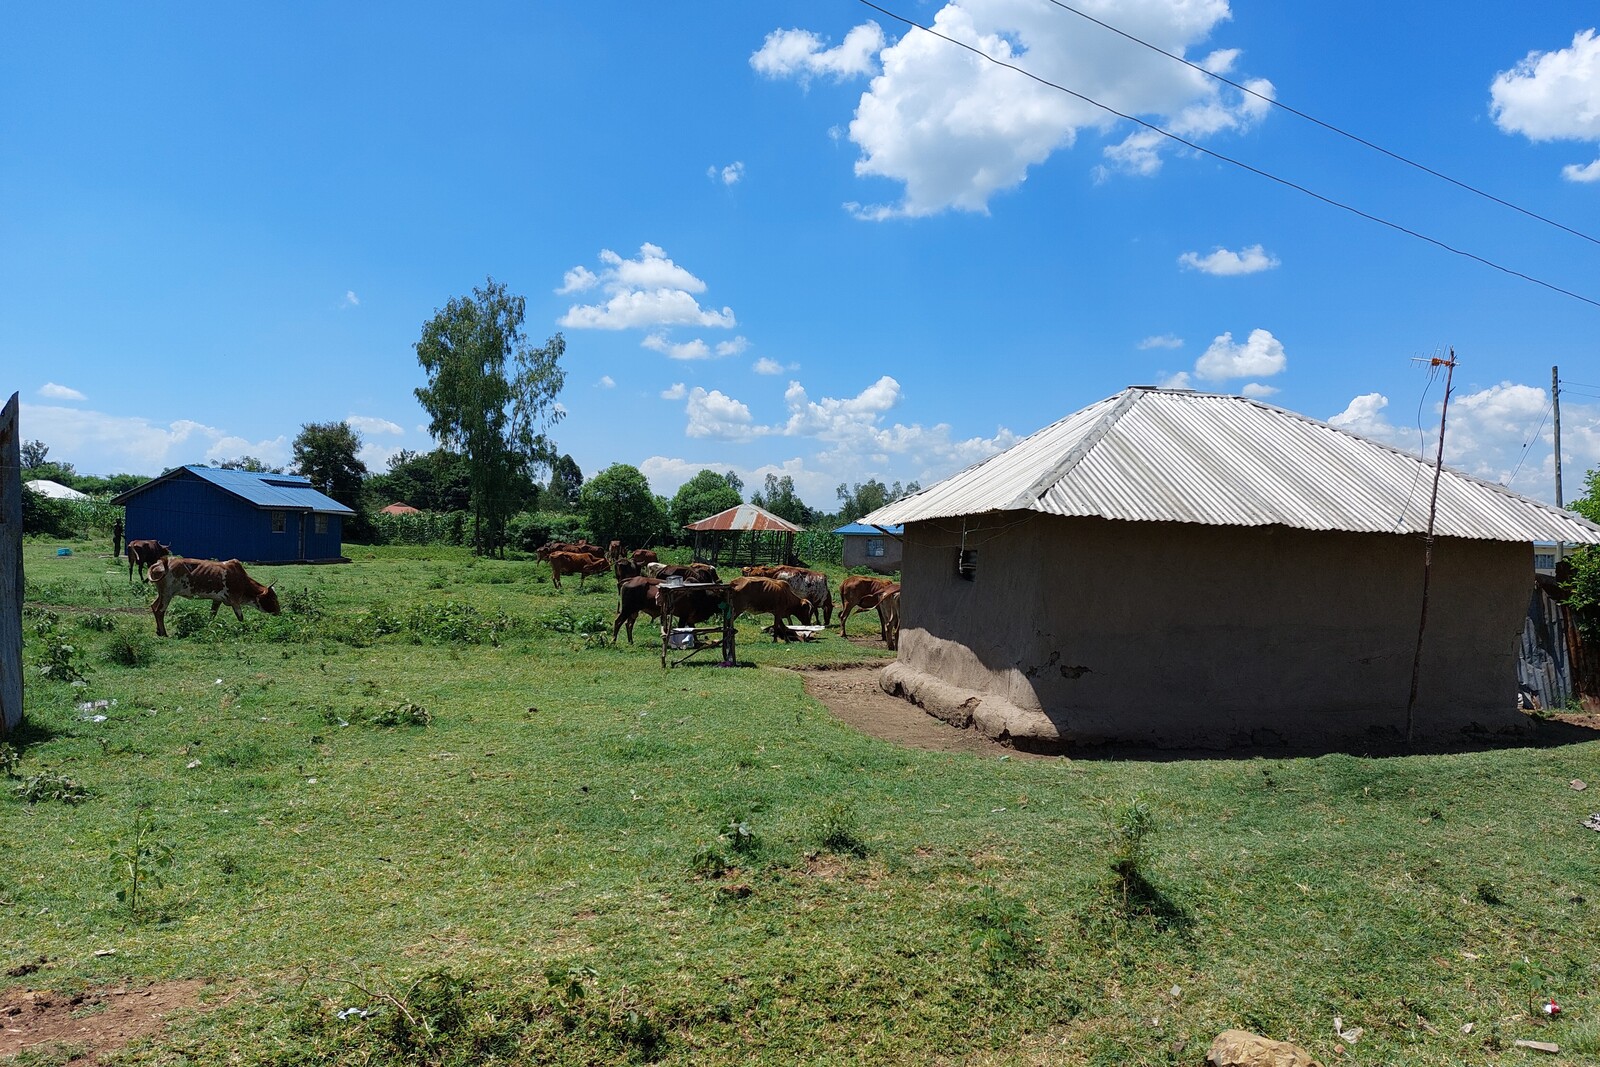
(208, 513)
(1184, 569)
(871, 546)
(55, 490)
(399, 508)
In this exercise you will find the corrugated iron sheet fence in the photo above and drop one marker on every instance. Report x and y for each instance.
(1554, 667)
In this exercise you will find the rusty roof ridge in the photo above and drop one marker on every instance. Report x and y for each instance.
(1075, 455)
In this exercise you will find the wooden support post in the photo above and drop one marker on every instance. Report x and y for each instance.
(10, 569)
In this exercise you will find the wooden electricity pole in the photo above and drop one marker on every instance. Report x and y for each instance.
(10, 569)
(1555, 405)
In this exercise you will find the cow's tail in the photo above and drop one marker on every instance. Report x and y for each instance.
(157, 569)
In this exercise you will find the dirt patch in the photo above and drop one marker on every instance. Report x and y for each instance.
(852, 694)
(91, 1023)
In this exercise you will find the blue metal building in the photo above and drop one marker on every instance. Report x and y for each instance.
(207, 513)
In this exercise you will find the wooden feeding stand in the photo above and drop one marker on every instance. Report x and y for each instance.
(692, 640)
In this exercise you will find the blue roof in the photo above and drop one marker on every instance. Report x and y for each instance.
(861, 529)
(291, 492)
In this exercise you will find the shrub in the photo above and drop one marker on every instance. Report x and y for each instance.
(402, 713)
(97, 622)
(129, 649)
(51, 785)
(836, 830)
(1001, 931)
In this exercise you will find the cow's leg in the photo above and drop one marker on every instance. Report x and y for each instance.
(159, 610)
(238, 609)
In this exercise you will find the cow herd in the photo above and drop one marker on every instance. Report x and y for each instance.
(785, 593)
(697, 592)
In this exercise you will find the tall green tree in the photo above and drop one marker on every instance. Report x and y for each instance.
(777, 495)
(565, 482)
(617, 503)
(33, 454)
(705, 494)
(857, 501)
(250, 463)
(492, 397)
(1581, 572)
(329, 454)
(440, 480)
(735, 483)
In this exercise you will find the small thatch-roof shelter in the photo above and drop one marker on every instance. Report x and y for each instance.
(743, 536)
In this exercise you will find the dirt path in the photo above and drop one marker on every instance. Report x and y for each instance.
(852, 694)
(85, 1026)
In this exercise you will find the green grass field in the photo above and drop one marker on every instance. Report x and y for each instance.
(427, 792)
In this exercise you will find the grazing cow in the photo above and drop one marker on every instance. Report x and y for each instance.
(633, 596)
(143, 553)
(584, 547)
(625, 569)
(689, 572)
(207, 579)
(889, 618)
(615, 551)
(759, 596)
(580, 563)
(858, 593)
(641, 556)
(813, 585)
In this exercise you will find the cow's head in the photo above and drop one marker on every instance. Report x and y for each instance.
(166, 550)
(268, 602)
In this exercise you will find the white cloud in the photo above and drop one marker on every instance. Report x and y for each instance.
(577, 280)
(1588, 172)
(1500, 433)
(803, 55)
(369, 424)
(1165, 340)
(767, 366)
(1180, 380)
(676, 391)
(52, 391)
(350, 299)
(649, 291)
(1261, 356)
(732, 174)
(606, 382)
(376, 456)
(955, 129)
(1554, 96)
(715, 414)
(1258, 391)
(686, 350)
(732, 348)
(96, 442)
(1222, 262)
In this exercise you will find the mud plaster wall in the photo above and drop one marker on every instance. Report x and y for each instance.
(1085, 630)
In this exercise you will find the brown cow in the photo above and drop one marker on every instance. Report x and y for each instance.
(635, 595)
(858, 593)
(143, 553)
(690, 572)
(625, 569)
(889, 618)
(758, 596)
(579, 563)
(207, 579)
(641, 556)
(813, 585)
(584, 547)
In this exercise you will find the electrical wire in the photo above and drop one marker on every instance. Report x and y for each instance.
(1152, 127)
(1327, 125)
(1528, 444)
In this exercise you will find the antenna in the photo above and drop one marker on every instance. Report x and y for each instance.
(1427, 551)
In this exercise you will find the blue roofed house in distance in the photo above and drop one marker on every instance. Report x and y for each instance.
(871, 546)
(208, 513)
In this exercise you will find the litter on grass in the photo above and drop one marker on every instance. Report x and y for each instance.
(1593, 821)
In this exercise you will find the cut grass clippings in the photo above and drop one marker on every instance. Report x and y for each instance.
(408, 822)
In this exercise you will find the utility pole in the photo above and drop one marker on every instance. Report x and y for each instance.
(1427, 551)
(1555, 404)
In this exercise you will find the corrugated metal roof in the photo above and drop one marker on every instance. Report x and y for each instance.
(292, 492)
(861, 529)
(744, 517)
(1171, 455)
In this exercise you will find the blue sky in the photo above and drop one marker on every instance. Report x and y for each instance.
(793, 238)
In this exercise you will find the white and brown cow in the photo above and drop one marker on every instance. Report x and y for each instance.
(207, 579)
(143, 553)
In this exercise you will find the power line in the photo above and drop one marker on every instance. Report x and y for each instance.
(1528, 444)
(1152, 127)
(1327, 125)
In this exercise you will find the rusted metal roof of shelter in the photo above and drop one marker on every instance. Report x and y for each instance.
(745, 517)
(399, 508)
(1172, 455)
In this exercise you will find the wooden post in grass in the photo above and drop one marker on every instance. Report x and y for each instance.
(10, 569)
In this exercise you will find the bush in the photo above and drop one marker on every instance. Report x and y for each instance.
(422, 528)
(527, 530)
(128, 649)
(819, 546)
